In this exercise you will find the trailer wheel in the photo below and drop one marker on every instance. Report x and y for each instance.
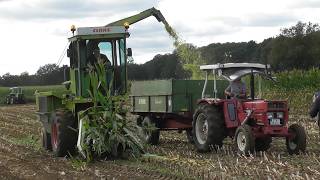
(46, 140)
(244, 139)
(263, 144)
(150, 132)
(63, 138)
(297, 143)
(189, 134)
(208, 127)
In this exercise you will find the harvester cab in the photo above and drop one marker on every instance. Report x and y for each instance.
(110, 42)
(250, 121)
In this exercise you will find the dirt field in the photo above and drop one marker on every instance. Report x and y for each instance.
(21, 157)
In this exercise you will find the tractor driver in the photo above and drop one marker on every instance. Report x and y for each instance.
(236, 89)
(96, 57)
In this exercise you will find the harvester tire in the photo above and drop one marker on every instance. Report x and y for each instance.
(63, 137)
(46, 140)
(244, 139)
(297, 143)
(208, 128)
(263, 144)
(151, 136)
(7, 100)
(189, 134)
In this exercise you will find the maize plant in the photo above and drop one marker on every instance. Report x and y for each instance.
(105, 128)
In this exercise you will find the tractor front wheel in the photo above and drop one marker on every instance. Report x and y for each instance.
(150, 132)
(12, 101)
(63, 137)
(208, 127)
(297, 142)
(244, 139)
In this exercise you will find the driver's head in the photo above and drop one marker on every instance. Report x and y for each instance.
(96, 51)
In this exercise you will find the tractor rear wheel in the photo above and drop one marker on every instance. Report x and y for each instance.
(189, 134)
(297, 143)
(63, 137)
(263, 144)
(46, 140)
(208, 127)
(150, 132)
(244, 139)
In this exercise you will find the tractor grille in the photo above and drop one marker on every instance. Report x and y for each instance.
(276, 105)
(43, 104)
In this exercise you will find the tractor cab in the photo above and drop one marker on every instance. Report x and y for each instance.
(111, 44)
(237, 71)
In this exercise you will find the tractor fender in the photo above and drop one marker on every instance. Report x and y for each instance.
(210, 101)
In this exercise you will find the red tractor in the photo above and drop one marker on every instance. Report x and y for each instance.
(250, 121)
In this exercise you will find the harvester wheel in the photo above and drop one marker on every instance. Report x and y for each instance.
(297, 143)
(189, 134)
(244, 139)
(8, 100)
(263, 144)
(63, 138)
(208, 127)
(150, 131)
(46, 140)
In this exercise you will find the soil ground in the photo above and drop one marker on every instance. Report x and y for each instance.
(21, 156)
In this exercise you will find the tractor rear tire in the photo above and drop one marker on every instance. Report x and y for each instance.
(151, 136)
(208, 127)
(189, 135)
(244, 139)
(63, 138)
(298, 143)
(263, 144)
(46, 140)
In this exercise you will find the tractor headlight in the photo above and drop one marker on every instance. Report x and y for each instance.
(270, 115)
(280, 115)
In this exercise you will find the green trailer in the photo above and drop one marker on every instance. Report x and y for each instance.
(168, 104)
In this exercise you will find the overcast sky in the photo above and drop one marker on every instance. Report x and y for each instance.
(34, 32)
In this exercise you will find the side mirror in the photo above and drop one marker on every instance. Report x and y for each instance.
(67, 84)
(129, 52)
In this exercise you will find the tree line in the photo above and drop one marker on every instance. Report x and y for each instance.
(296, 47)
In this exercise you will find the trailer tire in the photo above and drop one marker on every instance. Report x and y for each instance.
(63, 138)
(208, 127)
(298, 143)
(263, 144)
(46, 140)
(244, 139)
(189, 135)
(150, 136)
